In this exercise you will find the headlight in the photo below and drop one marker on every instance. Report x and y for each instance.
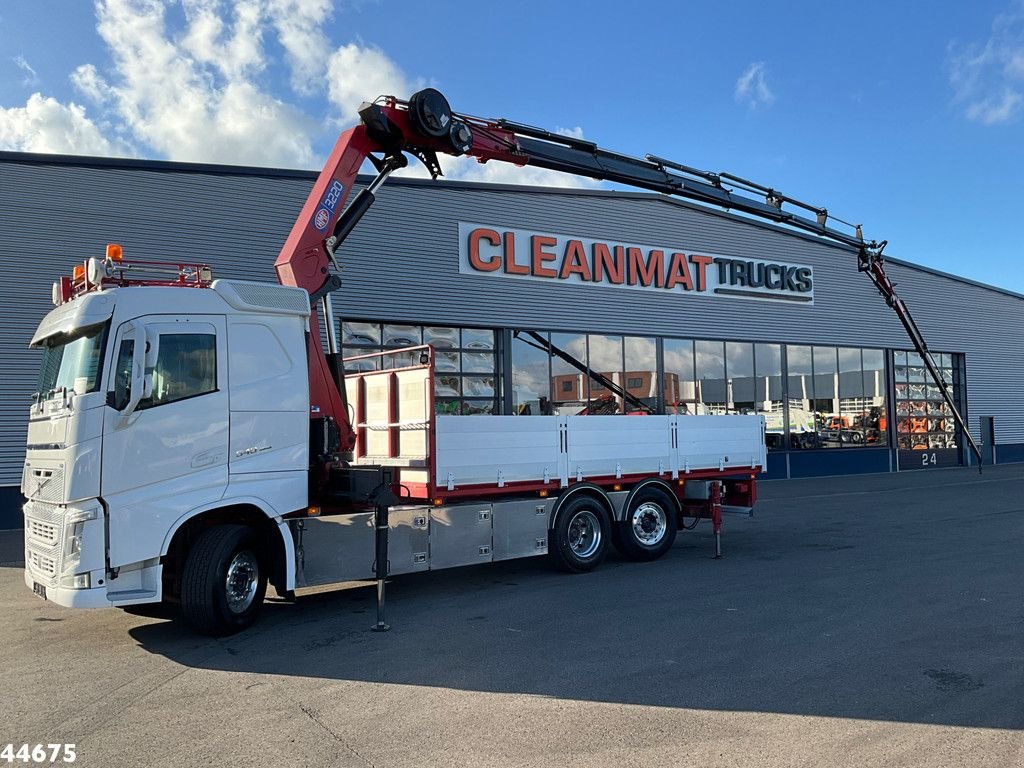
(81, 581)
(73, 532)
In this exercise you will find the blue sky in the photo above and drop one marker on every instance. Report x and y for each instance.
(906, 117)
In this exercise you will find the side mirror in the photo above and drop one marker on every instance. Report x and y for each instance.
(141, 383)
(152, 342)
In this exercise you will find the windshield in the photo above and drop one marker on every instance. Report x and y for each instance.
(72, 361)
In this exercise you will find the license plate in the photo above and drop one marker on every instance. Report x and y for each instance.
(39, 589)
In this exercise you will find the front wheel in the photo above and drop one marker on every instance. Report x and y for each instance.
(650, 525)
(580, 536)
(224, 580)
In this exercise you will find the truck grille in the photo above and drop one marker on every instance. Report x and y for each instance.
(44, 541)
(44, 484)
(42, 566)
(47, 534)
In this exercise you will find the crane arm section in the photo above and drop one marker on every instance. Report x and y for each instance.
(425, 125)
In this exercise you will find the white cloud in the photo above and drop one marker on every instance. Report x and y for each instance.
(298, 24)
(357, 73)
(195, 97)
(31, 78)
(752, 88)
(988, 78)
(193, 86)
(45, 125)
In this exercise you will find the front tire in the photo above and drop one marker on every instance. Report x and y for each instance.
(581, 534)
(650, 526)
(224, 581)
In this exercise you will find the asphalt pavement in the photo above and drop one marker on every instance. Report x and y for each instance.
(858, 621)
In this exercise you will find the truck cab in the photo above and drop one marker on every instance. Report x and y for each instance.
(163, 408)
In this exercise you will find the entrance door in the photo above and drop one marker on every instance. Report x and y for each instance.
(167, 452)
(988, 440)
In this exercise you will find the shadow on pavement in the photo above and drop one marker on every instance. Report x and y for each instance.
(897, 607)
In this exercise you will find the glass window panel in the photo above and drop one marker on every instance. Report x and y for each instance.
(441, 338)
(401, 335)
(475, 338)
(739, 365)
(678, 386)
(768, 392)
(360, 333)
(944, 360)
(830, 421)
(369, 364)
(641, 363)
(570, 387)
(531, 378)
(447, 386)
(446, 361)
(448, 406)
(711, 393)
(478, 362)
(803, 430)
(402, 360)
(899, 357)
(876, 431)
(478, 386)
(853, 410)
(478, 407)
(914, 359)
(605, 358)
(186, 366)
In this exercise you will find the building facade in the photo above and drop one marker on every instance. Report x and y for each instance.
(675, 307)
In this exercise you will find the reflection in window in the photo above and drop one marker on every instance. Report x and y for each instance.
(465, 360)
(923, 421)
(876, 430)
(402, 335)
(531, 377)
(828, 420)
(768, 392)
(605, 358)
(803, 430)
(641, 371)
(186, 366)
(711, 392)
(569, 386)
(678, 384)
(739, 366)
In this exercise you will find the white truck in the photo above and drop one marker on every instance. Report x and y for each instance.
(191, 440)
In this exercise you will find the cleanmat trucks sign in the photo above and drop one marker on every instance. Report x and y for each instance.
(555, 258)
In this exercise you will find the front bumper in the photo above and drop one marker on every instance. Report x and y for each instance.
(73, 598)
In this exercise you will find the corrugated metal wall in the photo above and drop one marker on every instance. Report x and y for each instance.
(402, 264)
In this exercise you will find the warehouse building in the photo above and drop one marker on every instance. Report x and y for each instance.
(679, 308)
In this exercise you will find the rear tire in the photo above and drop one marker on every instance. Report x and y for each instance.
(649, 528)
(581, 534)
(224, 580)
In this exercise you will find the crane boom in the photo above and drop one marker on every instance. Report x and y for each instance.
(425, 125)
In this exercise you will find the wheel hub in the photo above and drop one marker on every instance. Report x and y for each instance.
(584, 533)
(649, 523)
(242, 580)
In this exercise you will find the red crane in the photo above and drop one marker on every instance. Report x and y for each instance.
(425, 125)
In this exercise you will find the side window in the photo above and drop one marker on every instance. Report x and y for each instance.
(123, 374)
(186, 366)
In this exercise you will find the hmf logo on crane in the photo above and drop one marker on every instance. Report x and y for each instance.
(325, 211)
(530, 255)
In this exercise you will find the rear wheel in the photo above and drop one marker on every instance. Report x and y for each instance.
(649, 528)
(581, 534)
(224, 581)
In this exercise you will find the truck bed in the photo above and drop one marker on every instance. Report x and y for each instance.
(450, 456)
